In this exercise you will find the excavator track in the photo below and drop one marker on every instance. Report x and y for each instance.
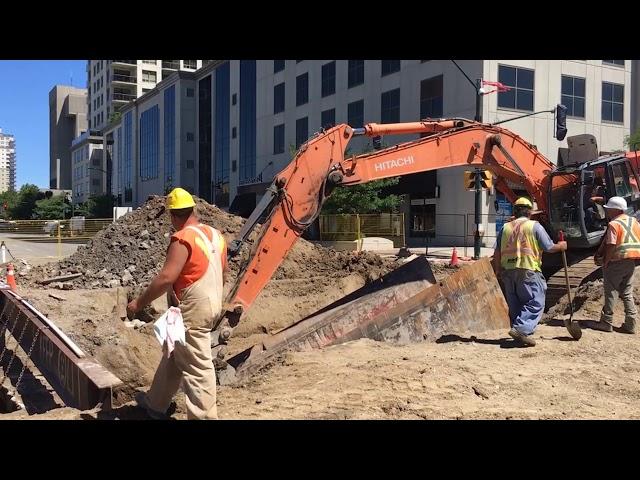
(578, 272)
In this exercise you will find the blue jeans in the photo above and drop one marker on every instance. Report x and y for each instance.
(525, 293)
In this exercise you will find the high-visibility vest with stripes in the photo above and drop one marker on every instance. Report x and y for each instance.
(627, 231)
(519, 247)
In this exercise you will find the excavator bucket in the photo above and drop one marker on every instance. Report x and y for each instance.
(406, 305)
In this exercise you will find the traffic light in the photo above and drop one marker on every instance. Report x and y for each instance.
(561, 122)
(486, 179)
(469, 179)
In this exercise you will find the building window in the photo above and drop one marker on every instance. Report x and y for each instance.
(302, 131)
(520, 96)
(191, 64)
(234, 132)
(390, 106)
(355, 73)
(169, 136)
(128, 157)
(278, 98)
(302, 89)
(234, 99)
(431, 94)
(247, 151)
(612, 102)
(204, 138)
(150, 62)
(329, 79)
(190, 92)
(222, 141)
(278, 66)
(148, 76)
(619, 63)
(422, 217)
(573, 95)
(145, 90)
(189, 137)
(328, 118)
(390, 66)
(149, 143)
(278, 139)
(355, 114)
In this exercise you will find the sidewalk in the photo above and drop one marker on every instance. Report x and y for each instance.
(439, 252)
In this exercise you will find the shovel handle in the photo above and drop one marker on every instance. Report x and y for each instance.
(561, 236)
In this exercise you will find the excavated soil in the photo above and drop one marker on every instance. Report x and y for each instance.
(131, 251)
(458, 377)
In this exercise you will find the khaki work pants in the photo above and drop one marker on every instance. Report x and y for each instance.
(190, 365)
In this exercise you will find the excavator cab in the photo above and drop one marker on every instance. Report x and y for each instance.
(579, 189)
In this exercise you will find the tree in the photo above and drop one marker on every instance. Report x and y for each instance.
(114, 117)
(26, 202)
(99, 206)
(365, 198)
(10, 200)
(633, 141)
(54, 208)
(371, 197)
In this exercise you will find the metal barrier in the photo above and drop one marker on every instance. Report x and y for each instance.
(59, 232)
(489, 229)
(351, 227)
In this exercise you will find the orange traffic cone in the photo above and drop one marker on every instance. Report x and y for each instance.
(11, 279)
(454, 258)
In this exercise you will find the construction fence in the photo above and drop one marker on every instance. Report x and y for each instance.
(356, 227)
(46, 239)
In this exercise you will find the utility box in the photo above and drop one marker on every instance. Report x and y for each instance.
(119, 212)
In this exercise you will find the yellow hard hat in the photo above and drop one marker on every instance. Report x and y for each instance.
(524, 202)
(179, 198)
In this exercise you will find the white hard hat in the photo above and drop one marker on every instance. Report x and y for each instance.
(617, 203)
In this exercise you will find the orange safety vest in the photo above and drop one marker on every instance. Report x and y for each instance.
(198, 260)
(627, 231)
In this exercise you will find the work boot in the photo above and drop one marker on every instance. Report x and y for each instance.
(603, 326)
(526, 340)
(143, 402)
(629, 325)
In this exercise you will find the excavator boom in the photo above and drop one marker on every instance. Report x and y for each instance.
(297, 194)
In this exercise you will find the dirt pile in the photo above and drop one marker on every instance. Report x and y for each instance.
(131, 251)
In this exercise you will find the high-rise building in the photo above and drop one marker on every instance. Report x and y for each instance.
(114, 83)
(225, 130)
(7, 162)
(67, 120)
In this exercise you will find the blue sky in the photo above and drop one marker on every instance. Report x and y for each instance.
(24, 109)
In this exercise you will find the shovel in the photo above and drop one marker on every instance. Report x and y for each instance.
(572, 326)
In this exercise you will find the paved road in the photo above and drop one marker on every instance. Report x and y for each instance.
(35, 252)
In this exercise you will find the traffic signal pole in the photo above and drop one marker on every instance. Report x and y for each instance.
(478, 192)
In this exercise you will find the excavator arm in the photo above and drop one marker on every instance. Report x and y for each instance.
(295, 198)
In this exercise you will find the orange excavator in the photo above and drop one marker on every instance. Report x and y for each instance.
(295, 198)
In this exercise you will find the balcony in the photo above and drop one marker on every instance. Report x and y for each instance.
(170, 64)
(125, 63)
(120, 78)
(123, 97)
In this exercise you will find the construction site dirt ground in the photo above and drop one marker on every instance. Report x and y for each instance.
(457, 377)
